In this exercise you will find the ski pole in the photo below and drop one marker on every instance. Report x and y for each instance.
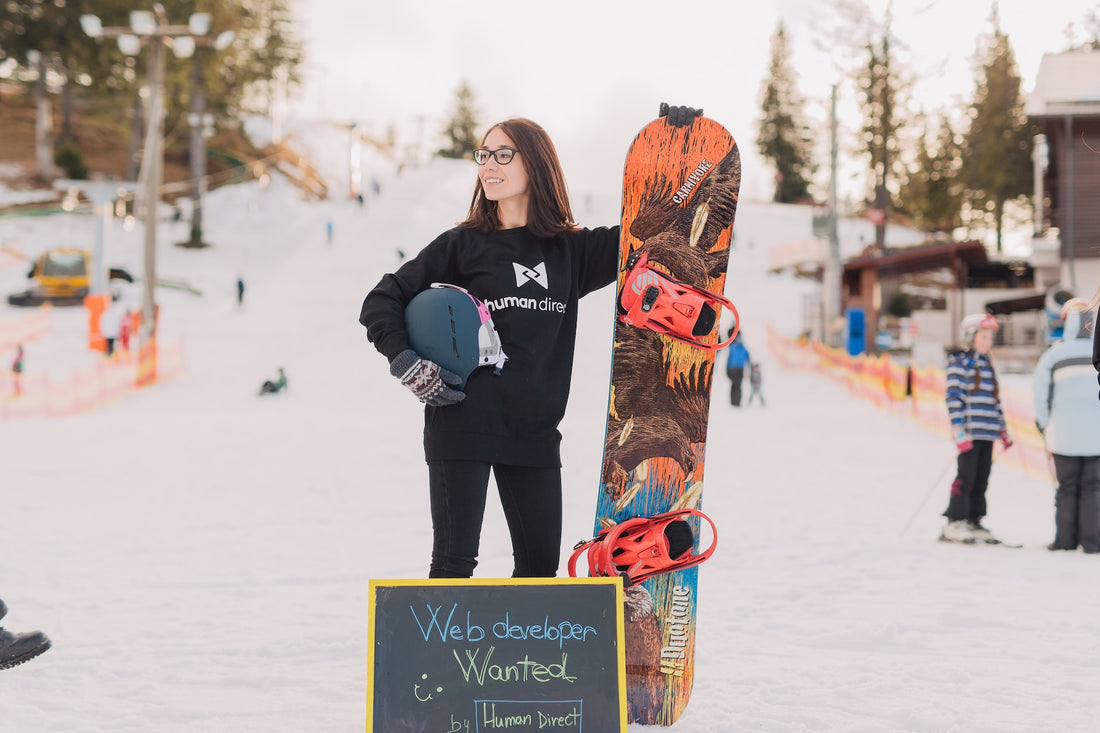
(927, 495)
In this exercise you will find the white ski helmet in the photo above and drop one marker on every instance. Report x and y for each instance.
(976, 322)
(1078, 319)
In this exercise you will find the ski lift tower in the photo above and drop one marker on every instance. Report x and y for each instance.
(151, 28)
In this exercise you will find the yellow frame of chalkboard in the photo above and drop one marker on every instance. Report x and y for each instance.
(620, 640)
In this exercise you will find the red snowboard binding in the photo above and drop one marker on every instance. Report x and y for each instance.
(640, 548)
(652, 300)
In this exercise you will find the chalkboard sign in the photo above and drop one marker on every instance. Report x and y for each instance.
(487, 656)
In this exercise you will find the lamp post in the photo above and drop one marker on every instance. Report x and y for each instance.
(150, 28)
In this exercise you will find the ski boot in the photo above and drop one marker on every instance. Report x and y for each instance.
(18, 648)
(652, 300)
(957, 531)
(640, 548)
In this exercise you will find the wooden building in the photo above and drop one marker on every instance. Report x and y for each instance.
(1065, 106)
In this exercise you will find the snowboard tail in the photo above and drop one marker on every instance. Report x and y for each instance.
(680, 193)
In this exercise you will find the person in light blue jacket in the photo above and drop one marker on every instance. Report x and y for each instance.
(1068, 416)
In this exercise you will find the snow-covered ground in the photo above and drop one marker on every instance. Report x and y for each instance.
(200, 556)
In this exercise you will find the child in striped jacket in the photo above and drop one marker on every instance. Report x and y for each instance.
(977, 420)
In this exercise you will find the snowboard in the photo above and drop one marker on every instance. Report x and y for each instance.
(680, 189)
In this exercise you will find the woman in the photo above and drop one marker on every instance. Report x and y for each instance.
(977, 420)
(520, 252)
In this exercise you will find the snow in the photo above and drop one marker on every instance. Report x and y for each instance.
(200, 556)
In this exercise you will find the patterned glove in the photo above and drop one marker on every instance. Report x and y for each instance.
(1006, 439)
(426, 379)
(963, 442)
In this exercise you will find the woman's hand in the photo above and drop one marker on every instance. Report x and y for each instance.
(426, 379)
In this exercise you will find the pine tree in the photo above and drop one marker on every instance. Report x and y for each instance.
(933, 192)
(461, 128)
(783, 137)
(999, 143)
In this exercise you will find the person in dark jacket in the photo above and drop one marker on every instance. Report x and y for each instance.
(1096, 340)
(520, 253)
(1096, 356)
(977, 421)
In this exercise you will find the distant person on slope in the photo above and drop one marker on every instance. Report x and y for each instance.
(736, 361)
(110, 324)
(274, 386)
(520, 252)
(755, 382)
(1069, 419)
(17, 371)
(977, 420)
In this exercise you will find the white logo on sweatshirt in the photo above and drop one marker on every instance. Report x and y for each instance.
(536, 274)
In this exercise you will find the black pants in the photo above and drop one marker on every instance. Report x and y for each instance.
(736, 375)
(1077, 503)
(971, 481)
(530, 497)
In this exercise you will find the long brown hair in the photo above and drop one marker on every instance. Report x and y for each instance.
(548, 211)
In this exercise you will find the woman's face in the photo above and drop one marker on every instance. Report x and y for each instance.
(503, 183)
(983, 341)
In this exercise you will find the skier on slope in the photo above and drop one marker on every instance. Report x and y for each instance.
(110, 324)
(1067, 416)
(736, 361)
(520, 252)
(977, 420)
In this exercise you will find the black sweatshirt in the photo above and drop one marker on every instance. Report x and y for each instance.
(1095, 350)
(531, 286)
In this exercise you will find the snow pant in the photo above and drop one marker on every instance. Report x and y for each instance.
(530, 497)
(972, 479)
(736, 375)
(754, 394)
(1077, 503)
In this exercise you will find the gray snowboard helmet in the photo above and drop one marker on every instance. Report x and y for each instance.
(449, 326)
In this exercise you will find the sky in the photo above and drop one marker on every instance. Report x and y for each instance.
(200, 556)
(594, 72)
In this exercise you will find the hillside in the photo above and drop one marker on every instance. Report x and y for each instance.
(103, 137)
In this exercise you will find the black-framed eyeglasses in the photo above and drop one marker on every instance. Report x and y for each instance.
(503, 156)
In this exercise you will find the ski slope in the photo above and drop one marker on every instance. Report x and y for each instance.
(200, 556)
